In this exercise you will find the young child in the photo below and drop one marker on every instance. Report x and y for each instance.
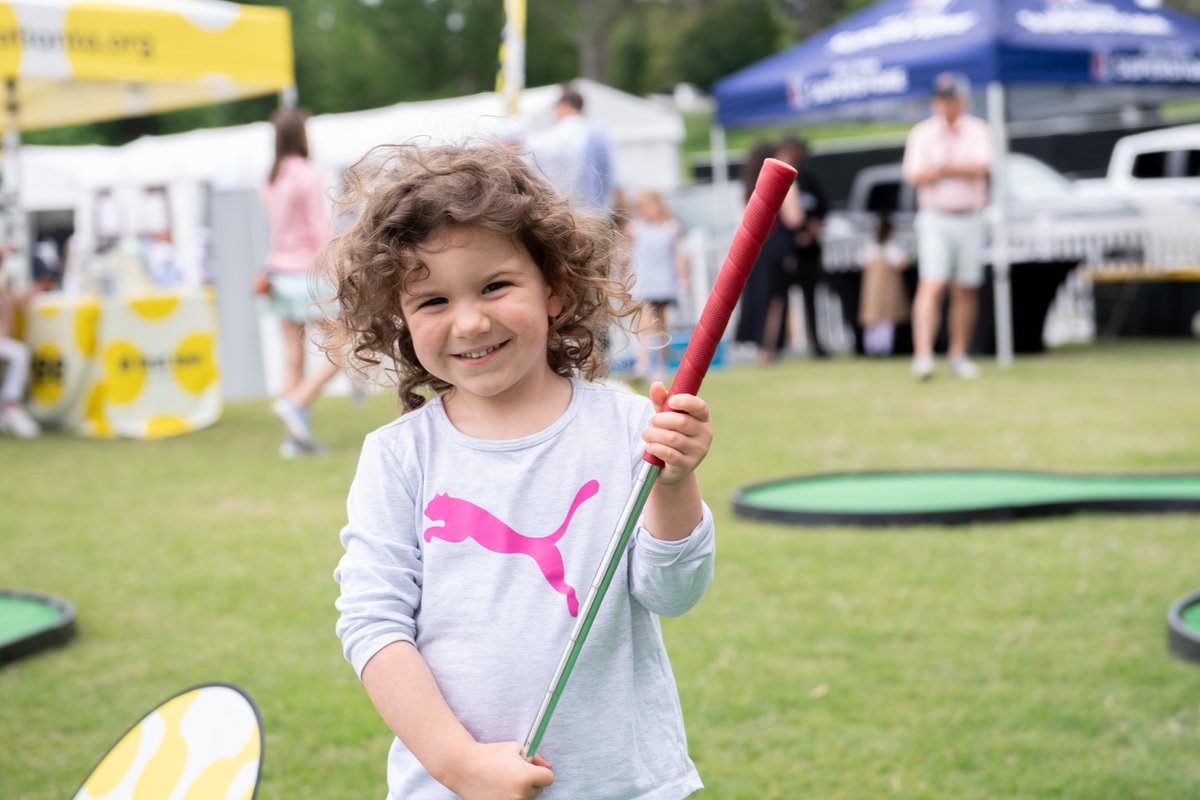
(884, 301)
(659, 269)
(478, 518)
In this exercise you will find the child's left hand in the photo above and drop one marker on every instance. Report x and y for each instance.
(680, 434)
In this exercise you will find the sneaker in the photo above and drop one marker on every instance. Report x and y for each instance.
(290, 448)
(922, 367)
(16, 420)
(294, 420)
(964, 368)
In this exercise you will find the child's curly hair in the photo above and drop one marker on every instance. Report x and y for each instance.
(405, 196)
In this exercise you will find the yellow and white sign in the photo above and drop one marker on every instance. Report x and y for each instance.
(203, 743)
(60, 330)
(143, 367)
(74, 61)
(157, 367)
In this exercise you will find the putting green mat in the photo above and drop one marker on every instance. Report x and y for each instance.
(959, 496)
(21, 616)
(1191, 617)
(1183, 627)
(30, 622)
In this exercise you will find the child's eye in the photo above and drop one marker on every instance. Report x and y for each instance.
(432, 301)
(494, 286)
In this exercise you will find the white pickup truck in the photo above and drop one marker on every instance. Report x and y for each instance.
(1156, 290)
(1138, 226)
(1152, 167)
(1054, 226)
(1049, 219)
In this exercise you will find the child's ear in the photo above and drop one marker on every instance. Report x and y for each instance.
(554, 303)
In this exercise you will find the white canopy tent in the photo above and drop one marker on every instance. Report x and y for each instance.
(102, 186)
(646, 137)
(65, 62)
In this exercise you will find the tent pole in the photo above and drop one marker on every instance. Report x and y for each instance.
(1001, 287)
(510, 80)
(720, 170)
(15, 231)
(288, 96)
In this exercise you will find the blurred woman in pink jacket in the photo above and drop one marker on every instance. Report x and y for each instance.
(298, 219)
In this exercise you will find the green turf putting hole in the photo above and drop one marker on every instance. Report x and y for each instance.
(31, 621)
(1183, 627)
(958, 497)
(1191, 618)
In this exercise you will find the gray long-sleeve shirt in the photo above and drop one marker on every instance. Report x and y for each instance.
(479, 552)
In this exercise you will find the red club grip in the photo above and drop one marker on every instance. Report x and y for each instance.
(771, 187)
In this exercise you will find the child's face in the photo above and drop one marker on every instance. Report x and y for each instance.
(480, 319)
(649, 207)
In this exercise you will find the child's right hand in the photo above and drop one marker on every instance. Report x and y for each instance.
(499, 772)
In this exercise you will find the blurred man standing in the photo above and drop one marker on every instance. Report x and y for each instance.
(575, 155)
(947, 158)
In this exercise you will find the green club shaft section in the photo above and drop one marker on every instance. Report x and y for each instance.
(591, 605)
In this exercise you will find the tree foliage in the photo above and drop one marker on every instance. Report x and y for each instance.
(726, 39)
(357, 54)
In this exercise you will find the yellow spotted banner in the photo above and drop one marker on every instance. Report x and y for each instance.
(157, 373)
(75, 61)
(205, 743)
(60, 330)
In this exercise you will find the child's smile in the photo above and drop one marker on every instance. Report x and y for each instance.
(475, 355)
(480, 320)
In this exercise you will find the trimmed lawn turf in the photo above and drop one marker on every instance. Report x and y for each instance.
(990, 661)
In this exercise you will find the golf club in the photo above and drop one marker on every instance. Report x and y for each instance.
(770, 189)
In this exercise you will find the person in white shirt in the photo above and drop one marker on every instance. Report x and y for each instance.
(575, 155)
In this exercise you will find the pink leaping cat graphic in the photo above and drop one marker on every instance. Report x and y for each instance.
(464, 520)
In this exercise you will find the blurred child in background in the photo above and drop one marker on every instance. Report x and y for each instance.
(883, 302)
(660, 271)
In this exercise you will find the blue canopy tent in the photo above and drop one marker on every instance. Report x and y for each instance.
(1036, 58)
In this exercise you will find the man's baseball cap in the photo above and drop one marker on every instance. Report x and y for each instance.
(951, 84)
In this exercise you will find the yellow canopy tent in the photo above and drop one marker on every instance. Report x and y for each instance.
(65, 62)
(72, 61)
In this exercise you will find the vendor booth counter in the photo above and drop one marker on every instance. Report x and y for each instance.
(1034, 287)
(142, 367)
(1145, 303)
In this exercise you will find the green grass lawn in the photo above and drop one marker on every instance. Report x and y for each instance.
(697, 140)
(994, 661)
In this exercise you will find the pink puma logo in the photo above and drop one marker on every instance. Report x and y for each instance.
(463, 519)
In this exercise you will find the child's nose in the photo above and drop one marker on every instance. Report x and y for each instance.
(470, 321)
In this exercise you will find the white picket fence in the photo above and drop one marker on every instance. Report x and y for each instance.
(1160, 242)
